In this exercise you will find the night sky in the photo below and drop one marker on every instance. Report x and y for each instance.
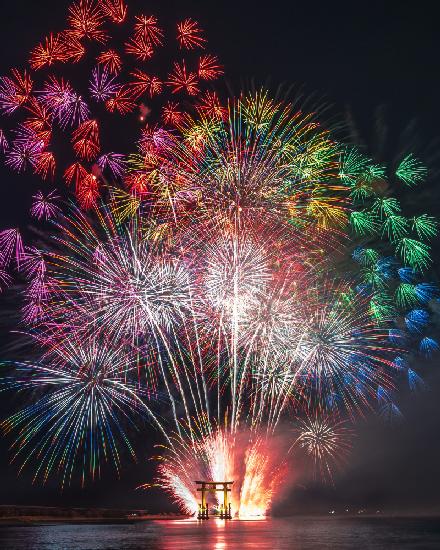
(376, 65)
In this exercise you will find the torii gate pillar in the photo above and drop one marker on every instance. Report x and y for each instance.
(214, 487)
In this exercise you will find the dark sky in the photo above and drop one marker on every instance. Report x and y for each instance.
(378, 60)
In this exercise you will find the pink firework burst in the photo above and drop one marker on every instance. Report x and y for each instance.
(102, 85)
(115, 162)
(44, 207)
(11, 247)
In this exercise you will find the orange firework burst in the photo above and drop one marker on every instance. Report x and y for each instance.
(254, 464)
(111, 61)
(86, 20)
(209, 67)
(53, 49)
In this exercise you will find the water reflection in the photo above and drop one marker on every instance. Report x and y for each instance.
(220, 542)
(279, 534)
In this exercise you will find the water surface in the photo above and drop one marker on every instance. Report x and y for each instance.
(295, 533)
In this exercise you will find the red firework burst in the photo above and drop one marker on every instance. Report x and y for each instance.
(116, 10)
(189, 35)
(182, 80)
(111, 61)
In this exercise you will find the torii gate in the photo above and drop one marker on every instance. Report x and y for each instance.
(212, 487)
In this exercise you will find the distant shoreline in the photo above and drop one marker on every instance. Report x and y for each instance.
(32, 520)
(27, 515)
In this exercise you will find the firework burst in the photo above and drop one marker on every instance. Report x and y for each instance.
(326, 440)
(87, 403)
(220, 263)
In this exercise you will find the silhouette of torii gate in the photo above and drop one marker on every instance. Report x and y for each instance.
(214, 487)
